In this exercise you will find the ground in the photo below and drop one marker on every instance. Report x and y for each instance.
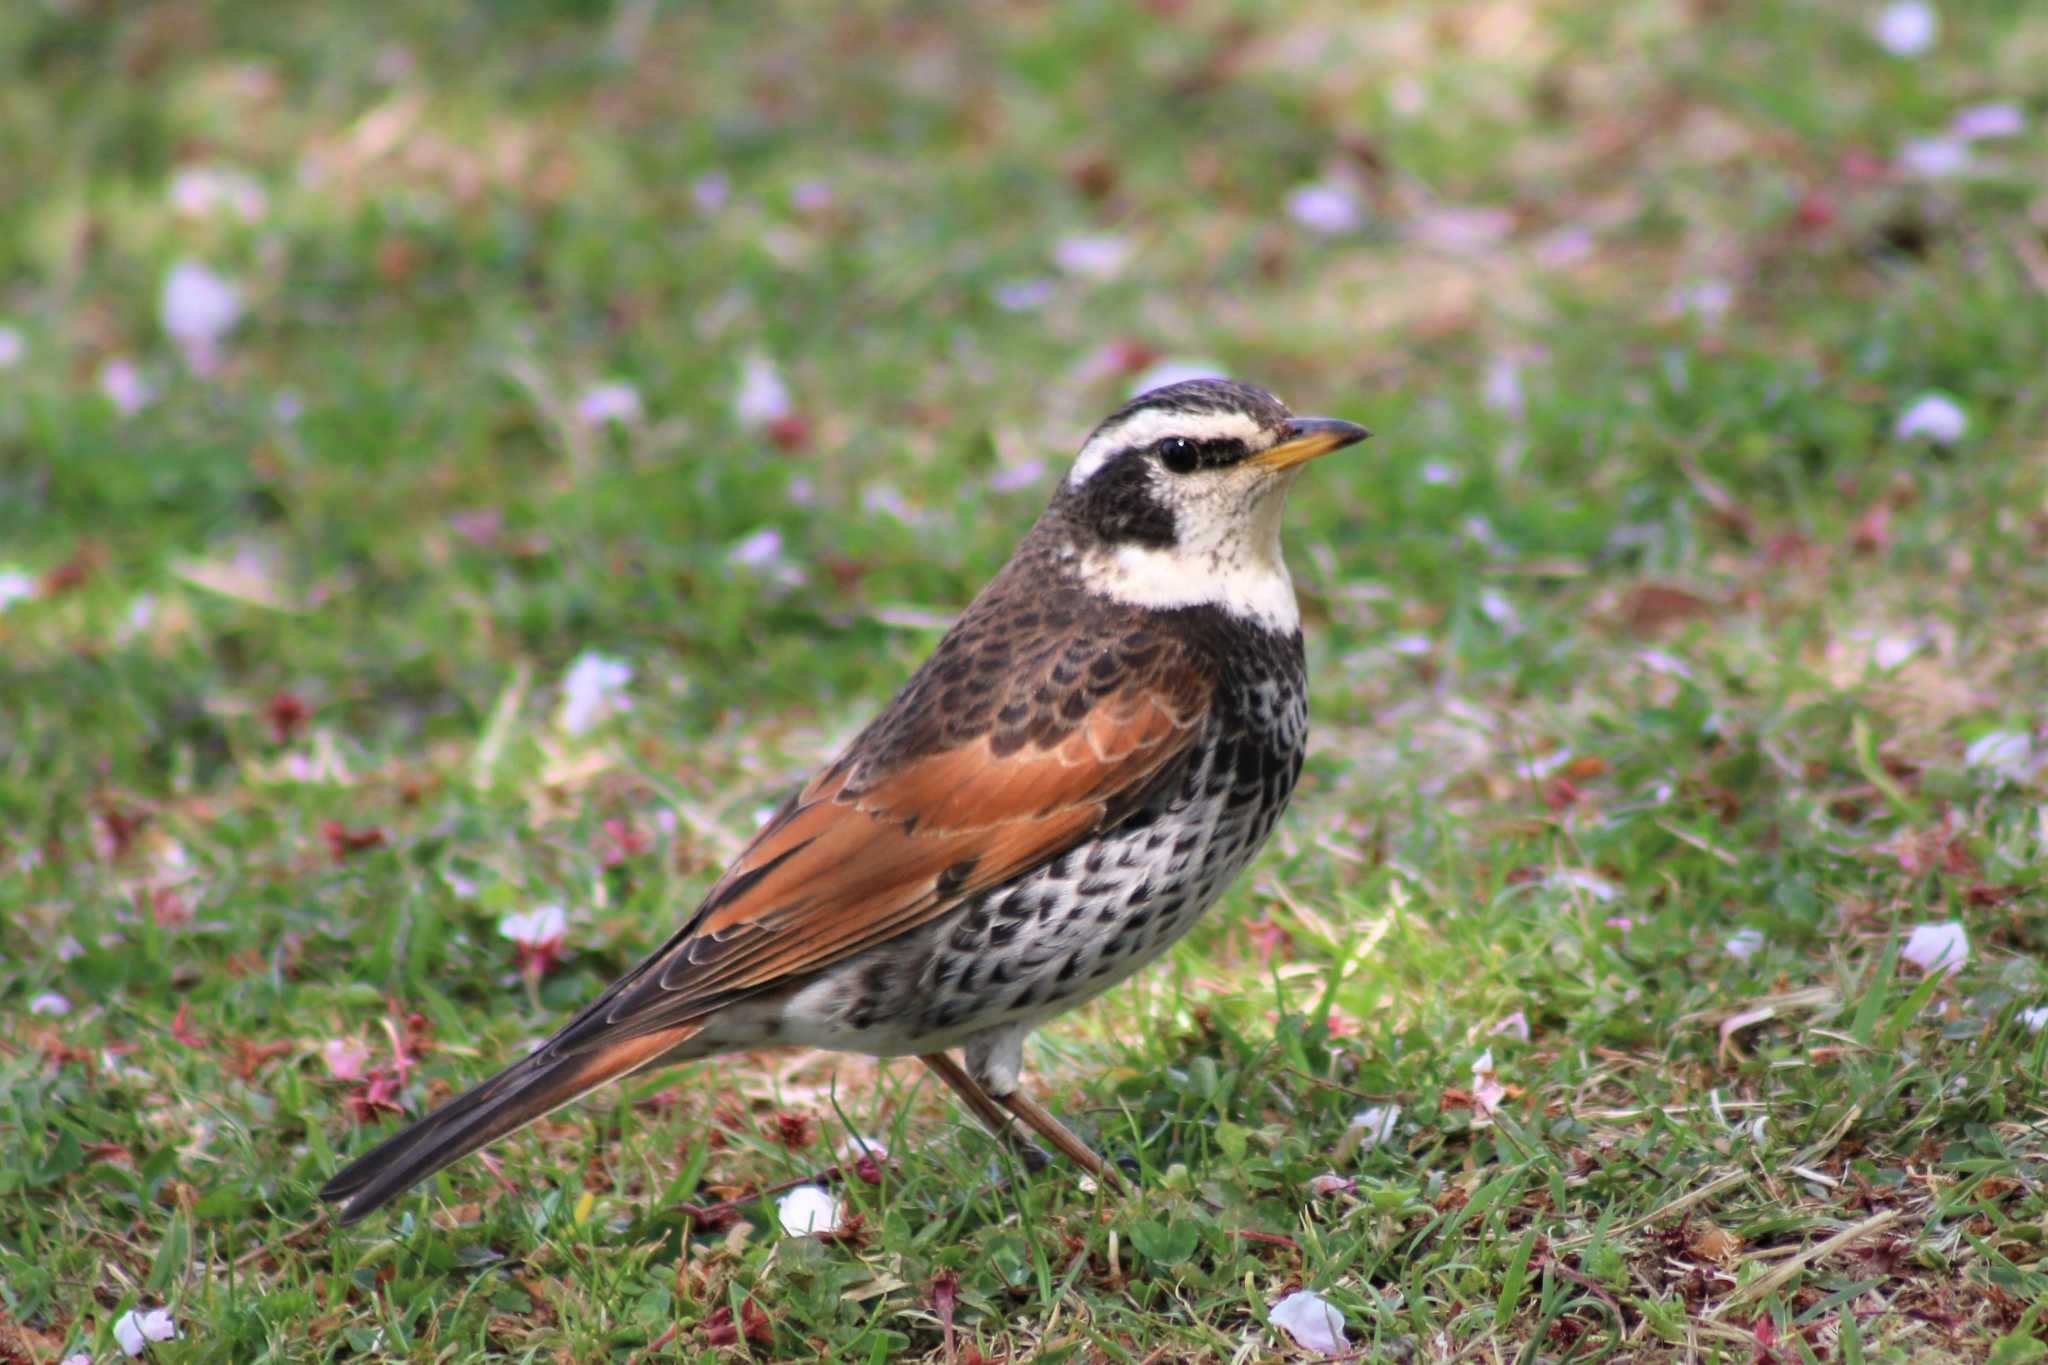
(1677, 649)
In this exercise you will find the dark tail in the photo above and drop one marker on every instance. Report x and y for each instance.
(510, 1100)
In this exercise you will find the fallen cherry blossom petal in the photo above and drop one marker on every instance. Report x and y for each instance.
(762, 398)
(612, 401)
(2035, 1018)
(2006, 755)
(1907, 29)
(1314, 1323)
(346, 1058)
(135, 1330)
(198, 308)
(12, 347)
(1092, 256)
(1994, 120)
(1935, 158)
(1744, 944)
(593, 690)
(1515, 1025)
(1326, 208)
(49, 1002)
(1329, 1182)
(122, 383)
(1487, 1091)
(16, 586)
(536, 936)
(1374, 1125)
(1943, 947)
(806, 1210)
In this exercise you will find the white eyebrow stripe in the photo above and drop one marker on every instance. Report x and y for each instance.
(1144, 427)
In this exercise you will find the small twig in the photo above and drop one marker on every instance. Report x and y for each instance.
(1269, 1238)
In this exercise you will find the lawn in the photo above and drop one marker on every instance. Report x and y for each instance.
(460, 459)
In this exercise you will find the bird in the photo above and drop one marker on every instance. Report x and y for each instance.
(1090, 755)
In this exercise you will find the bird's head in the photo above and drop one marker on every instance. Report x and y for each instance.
(1175, 498)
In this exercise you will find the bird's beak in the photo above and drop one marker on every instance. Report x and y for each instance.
(1308, 437)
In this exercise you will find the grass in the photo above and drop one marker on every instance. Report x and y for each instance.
(1636, 626)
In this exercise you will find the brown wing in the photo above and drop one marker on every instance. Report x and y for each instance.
(860, 857)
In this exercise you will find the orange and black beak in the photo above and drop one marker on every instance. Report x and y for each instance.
(1307, 438)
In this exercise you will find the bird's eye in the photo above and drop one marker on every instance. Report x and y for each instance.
(1179, 454)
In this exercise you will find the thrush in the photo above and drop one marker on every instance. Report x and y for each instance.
(1090, 755)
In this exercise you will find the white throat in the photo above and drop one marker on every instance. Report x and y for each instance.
(1233, 564)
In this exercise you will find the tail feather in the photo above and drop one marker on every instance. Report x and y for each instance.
(506, 1102)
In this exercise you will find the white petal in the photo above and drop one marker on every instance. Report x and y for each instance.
(762, 398)
(15, 586)
(543, 924)
(807, 1209)
(1313, 1321)
(2035, 1019)
(1744, 944)
(1495, 607)
(612, 401)
(12, 347)
(2004, 754)
(1375, 1124)
(345, 1058)
(1907, 29)
(1997, 119)
(1326, 208)
(1515, 1025)
(1935, 416)
(135, 1330)
(593, 689)
(198, 308)
(1943, 947)
(121, 381)
(1329, 1182)
(1934, 158)
(761, 550)
(49, 1002)
(1092, 256)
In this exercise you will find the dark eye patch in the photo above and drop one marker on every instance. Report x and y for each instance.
(1183, 455)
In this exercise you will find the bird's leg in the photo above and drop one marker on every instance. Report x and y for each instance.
(985, 1108)
(1041, 1120)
